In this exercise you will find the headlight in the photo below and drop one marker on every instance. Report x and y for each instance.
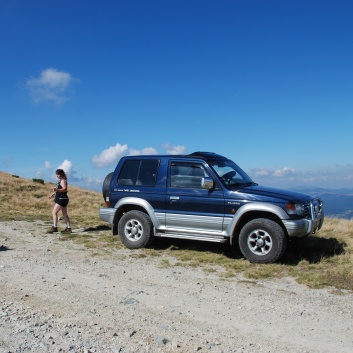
(296, 208)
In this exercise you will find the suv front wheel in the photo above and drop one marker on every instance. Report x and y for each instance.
(135, 229)
(262, 241)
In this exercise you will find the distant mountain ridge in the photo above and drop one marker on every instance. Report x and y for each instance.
(337, 202)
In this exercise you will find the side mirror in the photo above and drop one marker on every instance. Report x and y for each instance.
(207, 183)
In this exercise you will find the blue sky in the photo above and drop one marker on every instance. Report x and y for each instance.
(268, 84)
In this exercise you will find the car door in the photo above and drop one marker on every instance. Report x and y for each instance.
(189, 207)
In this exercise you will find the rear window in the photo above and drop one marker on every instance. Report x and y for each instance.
(141, 172)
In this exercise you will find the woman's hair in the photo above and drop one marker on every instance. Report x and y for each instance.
(61, 173)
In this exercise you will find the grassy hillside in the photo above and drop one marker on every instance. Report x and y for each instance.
(24, 199)
(325, 259)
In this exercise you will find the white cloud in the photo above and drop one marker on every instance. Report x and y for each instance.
(146, 151)
(149, 151)
(109, 156)
(334, 176)
(277, 173)
(52, 85)
(47, 165)
(67, 167)
(283, 172)
(174, 149)
(261, 172)
(276, 177)
(90, 183)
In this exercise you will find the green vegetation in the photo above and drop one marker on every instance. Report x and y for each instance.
(324, 259)
(40, 181)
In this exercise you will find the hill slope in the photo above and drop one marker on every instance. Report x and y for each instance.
(22, 198)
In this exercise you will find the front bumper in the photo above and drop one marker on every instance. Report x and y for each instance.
(303, 227)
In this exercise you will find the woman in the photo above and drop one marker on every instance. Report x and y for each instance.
(61, 201)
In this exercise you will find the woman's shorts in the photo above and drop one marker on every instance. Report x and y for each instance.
(62, 202)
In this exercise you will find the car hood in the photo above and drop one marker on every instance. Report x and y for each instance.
(262, 193)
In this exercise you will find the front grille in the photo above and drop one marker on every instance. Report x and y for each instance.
(307, 209)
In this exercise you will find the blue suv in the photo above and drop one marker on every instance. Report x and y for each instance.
(204, 196)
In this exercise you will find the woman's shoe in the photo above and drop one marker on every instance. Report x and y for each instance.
(52, 230)
(67, 230)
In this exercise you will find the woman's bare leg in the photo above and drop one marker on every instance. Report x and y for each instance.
(55, 212)
(66, 217)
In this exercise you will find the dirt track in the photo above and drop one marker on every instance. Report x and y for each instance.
(56, 296)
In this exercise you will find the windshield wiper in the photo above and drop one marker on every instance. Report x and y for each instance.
(237, 185)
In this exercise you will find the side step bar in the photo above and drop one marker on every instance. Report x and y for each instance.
(192, 237)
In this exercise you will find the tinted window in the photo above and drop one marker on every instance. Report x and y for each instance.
(139, 172)
(184, 175)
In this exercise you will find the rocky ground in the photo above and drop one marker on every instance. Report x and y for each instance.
(56, 296)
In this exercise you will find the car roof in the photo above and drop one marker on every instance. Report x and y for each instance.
(206, 156)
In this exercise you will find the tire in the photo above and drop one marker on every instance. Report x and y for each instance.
(262, 241)
(136, 230)
(106, 185)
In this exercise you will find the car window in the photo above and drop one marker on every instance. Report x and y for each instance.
(229, 173)
(186, 175)
(139, 172)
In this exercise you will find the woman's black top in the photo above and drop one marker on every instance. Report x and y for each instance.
(60, 195)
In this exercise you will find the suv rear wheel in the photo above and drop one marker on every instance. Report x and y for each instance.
(135, 229)
(262, 241)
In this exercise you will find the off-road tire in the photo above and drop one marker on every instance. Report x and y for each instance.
(136, 230)
(262, 241)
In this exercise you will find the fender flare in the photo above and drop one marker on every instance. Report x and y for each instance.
(141, 203)
(254, 207)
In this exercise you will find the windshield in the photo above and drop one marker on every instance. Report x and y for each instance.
(230, 174)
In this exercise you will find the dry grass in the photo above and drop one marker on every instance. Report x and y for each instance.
(24, 199)
(325, 259)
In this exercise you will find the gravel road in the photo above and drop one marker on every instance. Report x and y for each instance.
(57, 296)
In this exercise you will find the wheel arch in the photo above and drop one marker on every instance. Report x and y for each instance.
(127, 204)
(238, 222)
